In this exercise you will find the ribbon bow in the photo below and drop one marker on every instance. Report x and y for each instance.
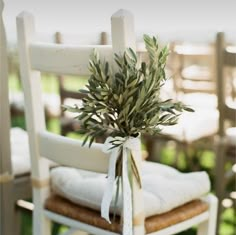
(126, 144)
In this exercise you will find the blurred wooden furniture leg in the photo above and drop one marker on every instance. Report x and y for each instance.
(12, 186)
(6, 178)
(226, 139)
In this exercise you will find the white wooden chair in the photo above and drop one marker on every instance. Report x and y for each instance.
(226, 139)
(14, 178)
(71, 59)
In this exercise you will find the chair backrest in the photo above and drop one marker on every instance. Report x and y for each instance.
(63, 59)
(36, 57)
(194, 67)
(226, 79)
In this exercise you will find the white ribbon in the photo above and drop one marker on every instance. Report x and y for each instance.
(128, 144)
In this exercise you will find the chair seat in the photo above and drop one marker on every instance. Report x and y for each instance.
(154, 223)
(159, 182)
(194, 126)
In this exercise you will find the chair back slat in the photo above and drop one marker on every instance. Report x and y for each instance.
(69, 59)
(70, 152)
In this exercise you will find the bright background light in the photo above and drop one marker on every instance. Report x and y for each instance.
(181, 19)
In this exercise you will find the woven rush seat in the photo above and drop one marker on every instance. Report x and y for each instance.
(154, 223)
(160, 183)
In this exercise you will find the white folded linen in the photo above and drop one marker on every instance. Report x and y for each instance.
(164, 187)
(20, 154)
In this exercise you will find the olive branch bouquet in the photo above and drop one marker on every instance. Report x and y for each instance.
(126, 102)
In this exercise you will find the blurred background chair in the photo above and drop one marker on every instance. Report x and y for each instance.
(194, 68)
(14, 155)
(193, 83)
(68, 95)
(16, 97)
(225, 171)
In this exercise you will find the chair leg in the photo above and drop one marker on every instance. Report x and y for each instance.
(41, 224)
(219, 176)
(150, 145)
(209, 227)
(6, 209)
(17, 221)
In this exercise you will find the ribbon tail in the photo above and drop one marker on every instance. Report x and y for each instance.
(127, 196)
(108, 194)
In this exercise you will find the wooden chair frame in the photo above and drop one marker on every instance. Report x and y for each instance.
(12, 188)
(45, 145)
(226, 57)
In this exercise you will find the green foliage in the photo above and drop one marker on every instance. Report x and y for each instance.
(125, 101)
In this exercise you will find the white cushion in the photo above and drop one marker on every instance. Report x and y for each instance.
(20, 155)
(164, 187)
(194, 126)
(200, 100)
(19, 151)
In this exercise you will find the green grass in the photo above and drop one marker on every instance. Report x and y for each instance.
(50, 83)
(205, 162)
(228, 226)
